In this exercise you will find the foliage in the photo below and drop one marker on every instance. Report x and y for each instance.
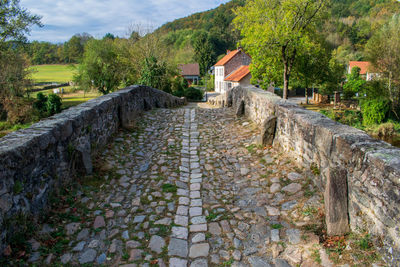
(155, 74)
(53, 104)
(192, 93)
(374, 111)
(49, 53)
(215, 22)
(178, 86)
(19, 110)
(47, 105)
(100, 67)
(40, 104)
(210, 82)
(349, 117)
(384, 52)
(169, 188)
(334, 78)
(13, 73)
(355, 84)
(15, 21)
(275, 32)
(375, 89)
(203, 52)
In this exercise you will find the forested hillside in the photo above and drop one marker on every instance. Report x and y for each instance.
(349, 26)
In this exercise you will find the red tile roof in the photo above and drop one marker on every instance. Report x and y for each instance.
(189, 69)
(363, 65)
(226, 58)
(238, 74)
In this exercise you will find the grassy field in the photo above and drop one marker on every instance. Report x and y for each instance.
(53, 73)
(61, 74)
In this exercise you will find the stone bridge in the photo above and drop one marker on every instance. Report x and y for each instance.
(138, 178)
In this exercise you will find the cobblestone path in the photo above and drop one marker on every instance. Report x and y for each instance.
(188, 188)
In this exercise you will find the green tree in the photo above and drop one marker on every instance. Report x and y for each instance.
(73, 49)
(383, 51)
(355, 84)
(203, 52)
(15, 23)
(274, 32)
(155, 74)
(312, 67)
(100, 67)
(334, 78)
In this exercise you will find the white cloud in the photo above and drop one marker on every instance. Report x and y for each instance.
(64, 18)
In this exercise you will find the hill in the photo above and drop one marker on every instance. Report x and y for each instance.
(350, 25)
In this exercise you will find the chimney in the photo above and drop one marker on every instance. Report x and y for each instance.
(239, 48)
(228, 51)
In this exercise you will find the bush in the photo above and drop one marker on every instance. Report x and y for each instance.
(374, 111)
(53, 104)
(192, 93)
(47, 105)
(40, 104)
(385, 130)
(178, 86)
(19, 110)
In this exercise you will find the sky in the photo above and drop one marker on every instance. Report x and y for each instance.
(64, 18)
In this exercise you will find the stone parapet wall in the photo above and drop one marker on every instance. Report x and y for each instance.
(37, 160)
(372, 167)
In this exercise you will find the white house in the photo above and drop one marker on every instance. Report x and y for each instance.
(232, 70)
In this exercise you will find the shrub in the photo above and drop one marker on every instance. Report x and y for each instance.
(385, 130)
(53, 104)
(374, 111)
(19, 110)
(178, 86)
(40, 104)
(192, 93)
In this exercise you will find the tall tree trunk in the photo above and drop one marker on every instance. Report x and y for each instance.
(286, 76)
(306, 95)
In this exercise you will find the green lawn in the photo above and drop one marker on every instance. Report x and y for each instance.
(53, 73)
(61, 74)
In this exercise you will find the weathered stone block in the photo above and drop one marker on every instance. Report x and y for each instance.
(267, 134)
(240, 109)
(336, 199)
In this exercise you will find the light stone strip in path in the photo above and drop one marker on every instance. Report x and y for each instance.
(190, 203)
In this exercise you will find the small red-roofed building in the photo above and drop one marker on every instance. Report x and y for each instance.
(191, 72)
(366, 70)
(232, 70)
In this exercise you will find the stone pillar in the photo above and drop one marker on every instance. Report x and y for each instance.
(336, 201)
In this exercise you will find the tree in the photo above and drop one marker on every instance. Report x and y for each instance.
(100, 67)
(312, 67)
(15, 22)
(203, 52)
(274, 32)
(155, 74)
(73, 49)
(355, 84)
(109, 36)
(383, 51)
